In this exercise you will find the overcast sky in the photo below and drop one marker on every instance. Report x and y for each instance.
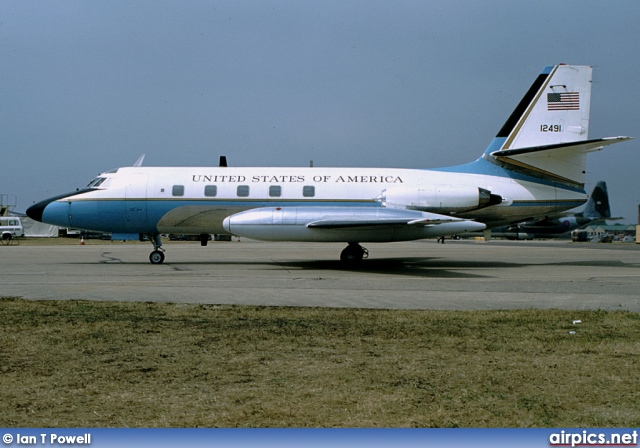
(87, 86)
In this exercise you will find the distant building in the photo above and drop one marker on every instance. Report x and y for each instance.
(601, 230)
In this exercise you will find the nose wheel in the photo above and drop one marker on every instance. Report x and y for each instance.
(353, 254)
(157, 256)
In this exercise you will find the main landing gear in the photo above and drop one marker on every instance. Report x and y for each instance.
(157, 256)
(353, 254)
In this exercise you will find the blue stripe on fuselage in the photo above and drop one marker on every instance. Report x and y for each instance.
(111, 215)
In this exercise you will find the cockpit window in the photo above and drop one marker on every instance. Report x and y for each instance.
(96, 182)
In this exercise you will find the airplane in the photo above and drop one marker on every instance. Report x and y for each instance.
(534, 167)
(596, 209)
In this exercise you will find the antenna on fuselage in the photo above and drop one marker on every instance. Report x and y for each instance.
(139, 161)
(223, 162)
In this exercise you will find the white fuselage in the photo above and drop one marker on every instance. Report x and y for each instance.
(196, 200)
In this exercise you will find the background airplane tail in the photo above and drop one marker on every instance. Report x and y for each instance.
(598, 204)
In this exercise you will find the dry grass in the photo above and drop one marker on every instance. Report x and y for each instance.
(96, 364)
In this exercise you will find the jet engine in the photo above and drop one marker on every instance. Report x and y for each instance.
(438, 198)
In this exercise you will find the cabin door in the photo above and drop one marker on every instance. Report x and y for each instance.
(136, 200)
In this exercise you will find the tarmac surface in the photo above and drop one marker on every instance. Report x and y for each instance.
(460, 275)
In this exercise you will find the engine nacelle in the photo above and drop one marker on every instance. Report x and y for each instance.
(343, 224)
(438, 198)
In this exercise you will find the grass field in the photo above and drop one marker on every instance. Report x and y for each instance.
(112, 364)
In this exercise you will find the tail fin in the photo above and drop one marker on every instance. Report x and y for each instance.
(554, 110)
(546, 136)
(598, 204)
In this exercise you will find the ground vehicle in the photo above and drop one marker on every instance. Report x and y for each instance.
(580, 235)
(10, 227)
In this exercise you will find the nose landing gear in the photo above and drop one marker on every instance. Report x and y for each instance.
(157, 256)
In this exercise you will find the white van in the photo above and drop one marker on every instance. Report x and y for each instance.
(10, 227)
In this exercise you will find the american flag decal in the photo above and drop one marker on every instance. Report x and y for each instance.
(563, 101)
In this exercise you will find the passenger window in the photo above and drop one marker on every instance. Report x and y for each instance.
(243, 191)
(210, 190)
(275, 191)
(178, 190)
(308, 191)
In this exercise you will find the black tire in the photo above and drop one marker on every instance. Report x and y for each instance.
(352, 254)
(156, 257)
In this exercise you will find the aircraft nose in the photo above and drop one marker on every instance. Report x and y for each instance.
(35, 211)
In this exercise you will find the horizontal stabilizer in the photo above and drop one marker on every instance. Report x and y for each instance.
(583, 146)
(558, 162)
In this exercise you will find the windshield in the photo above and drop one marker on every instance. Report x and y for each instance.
(96, 182)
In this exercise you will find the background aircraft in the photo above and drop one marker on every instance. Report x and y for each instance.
(596, 209)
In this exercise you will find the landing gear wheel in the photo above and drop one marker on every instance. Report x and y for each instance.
(353, 254)
(156, 257)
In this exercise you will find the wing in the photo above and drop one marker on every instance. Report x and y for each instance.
(329, 223)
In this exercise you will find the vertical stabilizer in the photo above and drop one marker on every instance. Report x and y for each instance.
(555, 110)
(546, 136)
(598, 204)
